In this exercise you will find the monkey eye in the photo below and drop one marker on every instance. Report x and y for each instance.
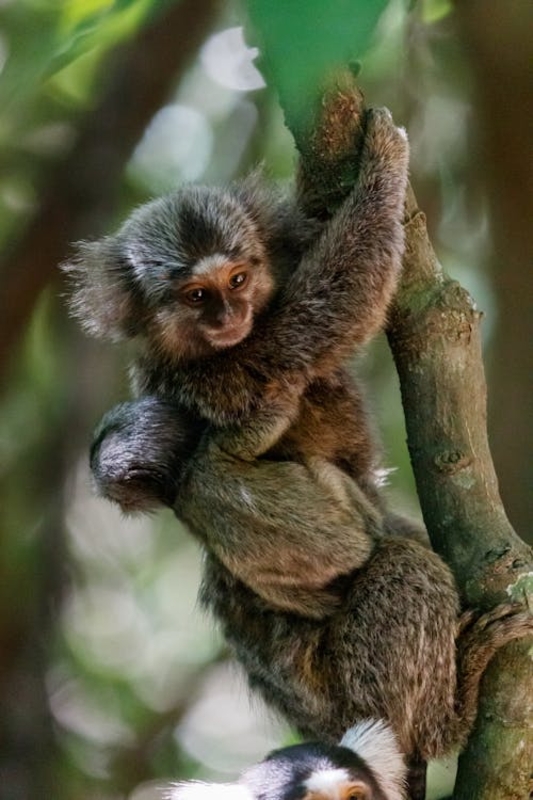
(196, 296)
(237, 280)
(358, 792)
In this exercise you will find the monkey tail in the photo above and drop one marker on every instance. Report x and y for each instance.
(480, 636)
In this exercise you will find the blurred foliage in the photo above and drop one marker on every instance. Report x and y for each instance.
(111, 678)
(51, 53)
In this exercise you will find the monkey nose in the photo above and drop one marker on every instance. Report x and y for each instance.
(223, 313)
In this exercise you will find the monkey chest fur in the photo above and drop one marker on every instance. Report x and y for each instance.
(333, 425)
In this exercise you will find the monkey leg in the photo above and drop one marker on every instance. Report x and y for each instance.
(259, 516)
(291, 532)
(388, 652)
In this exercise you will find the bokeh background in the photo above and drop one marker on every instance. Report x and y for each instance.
(111, 679)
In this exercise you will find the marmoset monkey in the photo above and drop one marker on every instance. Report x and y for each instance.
(246, 312)
(366, 765)
(256, 437)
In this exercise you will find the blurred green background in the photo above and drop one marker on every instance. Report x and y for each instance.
(111, 680)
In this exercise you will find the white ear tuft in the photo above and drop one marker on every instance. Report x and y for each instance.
(100, 298)
(195, 790)
(374, 741)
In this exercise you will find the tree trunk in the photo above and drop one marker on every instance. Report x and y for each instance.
(434, 338)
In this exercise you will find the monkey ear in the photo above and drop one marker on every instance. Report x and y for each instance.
(103, 297)
(257, 195)
(194, 790)
(374, 741)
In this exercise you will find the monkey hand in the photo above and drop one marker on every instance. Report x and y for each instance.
(139, 451)
(385, 143)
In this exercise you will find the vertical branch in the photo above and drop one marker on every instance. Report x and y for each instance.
(434, 335)
(435, 341)
(328, 147)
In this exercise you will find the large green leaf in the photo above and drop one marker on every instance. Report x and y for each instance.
(302, 41)
(99, 28)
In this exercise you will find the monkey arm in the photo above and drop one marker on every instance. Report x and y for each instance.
(139, 452)
(339, 295)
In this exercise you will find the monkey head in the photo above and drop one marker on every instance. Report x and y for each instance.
(189, 271)
(366, 765)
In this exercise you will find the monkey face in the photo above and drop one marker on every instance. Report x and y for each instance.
(213, 308)
(198, 260)
(318, 771)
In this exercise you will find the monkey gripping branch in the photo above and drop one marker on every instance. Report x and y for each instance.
(176, 277)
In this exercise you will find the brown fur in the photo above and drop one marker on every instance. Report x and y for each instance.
(390, 652)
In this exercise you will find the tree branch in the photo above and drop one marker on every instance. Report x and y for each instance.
(434, 338)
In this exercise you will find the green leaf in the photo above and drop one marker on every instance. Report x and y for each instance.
(303, 41)
(51, 36)
(102, 27)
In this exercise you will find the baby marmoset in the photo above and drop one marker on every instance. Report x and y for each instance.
(245, 312)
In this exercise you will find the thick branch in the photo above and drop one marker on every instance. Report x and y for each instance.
(327, 167)
(434, 337)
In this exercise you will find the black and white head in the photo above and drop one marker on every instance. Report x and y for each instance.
(366, 765)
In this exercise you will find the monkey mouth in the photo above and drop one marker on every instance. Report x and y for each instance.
(228, 337)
